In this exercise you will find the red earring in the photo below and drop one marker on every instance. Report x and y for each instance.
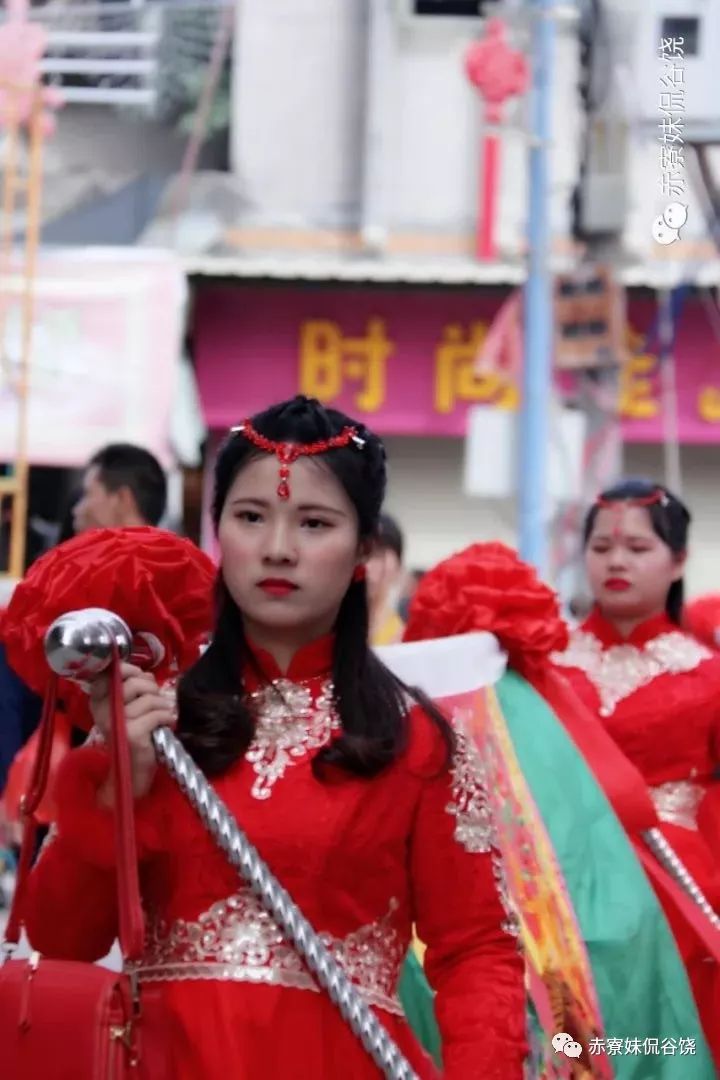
(359, 573)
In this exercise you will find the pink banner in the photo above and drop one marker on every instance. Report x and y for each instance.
(107, 334)
(403, 360)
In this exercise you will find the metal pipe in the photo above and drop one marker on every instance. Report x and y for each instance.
(535, 416)
(668, 376)
(667, 857)
(379, 97)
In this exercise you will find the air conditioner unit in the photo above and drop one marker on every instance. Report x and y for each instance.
(429, 11)
(492, 453)
(603, 184)
(695, 23)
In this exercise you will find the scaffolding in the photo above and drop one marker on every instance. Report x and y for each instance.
(23, 125)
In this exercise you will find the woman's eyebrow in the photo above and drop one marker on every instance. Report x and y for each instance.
(250, 499)
(320, 508)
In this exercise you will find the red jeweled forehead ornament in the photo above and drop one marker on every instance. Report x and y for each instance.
(287, 452)
(619, 506)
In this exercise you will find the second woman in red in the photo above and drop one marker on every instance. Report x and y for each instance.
(656, 690)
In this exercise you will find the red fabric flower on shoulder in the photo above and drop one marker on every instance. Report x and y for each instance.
(488, 587)
(702, 620)
(156, 581)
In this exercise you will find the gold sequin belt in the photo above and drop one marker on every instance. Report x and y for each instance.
(237, 941)
(677, 802)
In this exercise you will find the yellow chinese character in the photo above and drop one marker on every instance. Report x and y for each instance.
(327, 358)
(709, 404)
(456, 378)
(636, 389)
(320, 360)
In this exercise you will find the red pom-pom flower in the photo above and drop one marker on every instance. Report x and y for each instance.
(702, 620)
(156, 581)
(488, 587)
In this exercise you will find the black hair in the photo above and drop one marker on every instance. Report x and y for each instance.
(67, 524)
(390, 536)
(124, 465)
(670, 519)
(216, 724)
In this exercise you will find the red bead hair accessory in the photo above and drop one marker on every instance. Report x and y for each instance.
(657, 498)
(287, 452)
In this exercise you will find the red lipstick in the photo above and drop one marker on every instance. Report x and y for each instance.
(277, 586)
(614, 584)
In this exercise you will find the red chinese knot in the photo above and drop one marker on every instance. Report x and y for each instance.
(498, 71)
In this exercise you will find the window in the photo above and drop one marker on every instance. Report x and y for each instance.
(448, 7)
(687, 29)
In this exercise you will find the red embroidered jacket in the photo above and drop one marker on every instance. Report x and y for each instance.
(657, 693)
(363, 859)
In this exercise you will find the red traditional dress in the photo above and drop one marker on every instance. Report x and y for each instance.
(364, 859)
(657, 693)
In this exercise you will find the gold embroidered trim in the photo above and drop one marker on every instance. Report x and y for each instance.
(289, 724)
(474, 828)
(474, 824)
(619, 671)
(237, 941)
(677, 802)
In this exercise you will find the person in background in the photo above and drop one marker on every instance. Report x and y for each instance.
(656, 691)
(384, 580)
(123, 486)
(19, 716)
(579, 608)
(412, 582)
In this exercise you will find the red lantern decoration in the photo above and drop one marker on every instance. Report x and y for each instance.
(499, 73)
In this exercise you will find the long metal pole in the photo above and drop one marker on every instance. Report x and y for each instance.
(379, 121)
(537, 368)
(671, 435)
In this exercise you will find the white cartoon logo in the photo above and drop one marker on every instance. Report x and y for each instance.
(565, 1044)
(666, 228)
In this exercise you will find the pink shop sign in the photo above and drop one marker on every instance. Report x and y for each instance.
(403, 360)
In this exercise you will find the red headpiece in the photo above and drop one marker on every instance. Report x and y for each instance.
(657, 497)
(287, 452)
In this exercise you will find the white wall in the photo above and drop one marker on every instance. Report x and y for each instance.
(298, 92)
(425, 494)
(298, 121)
(299, 105)
(439, 135)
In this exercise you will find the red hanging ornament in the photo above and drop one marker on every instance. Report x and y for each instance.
(287, 453)
(499, 73)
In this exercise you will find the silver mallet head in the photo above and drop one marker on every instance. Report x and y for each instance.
(79, 645)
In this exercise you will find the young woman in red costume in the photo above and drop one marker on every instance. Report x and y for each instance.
(341, 776)
(656, 691)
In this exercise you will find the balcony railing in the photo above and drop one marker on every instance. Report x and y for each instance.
(116, 53)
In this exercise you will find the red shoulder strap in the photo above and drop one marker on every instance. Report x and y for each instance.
(130, 917)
